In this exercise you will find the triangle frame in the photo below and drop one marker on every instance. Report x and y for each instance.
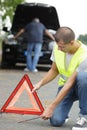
(8, 107)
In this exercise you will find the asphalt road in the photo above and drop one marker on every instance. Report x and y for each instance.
(9, 79)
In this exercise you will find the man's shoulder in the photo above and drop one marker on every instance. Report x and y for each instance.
(84, 46)
(40, 23)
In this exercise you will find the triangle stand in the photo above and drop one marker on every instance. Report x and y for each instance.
(24, 84)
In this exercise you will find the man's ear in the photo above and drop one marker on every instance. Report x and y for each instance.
(72, 42)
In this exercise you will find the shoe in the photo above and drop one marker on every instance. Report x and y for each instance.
(81, 124)
(26, 69)
(35, 70)
(67, 119)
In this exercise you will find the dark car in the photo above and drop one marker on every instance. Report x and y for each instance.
(14, 51)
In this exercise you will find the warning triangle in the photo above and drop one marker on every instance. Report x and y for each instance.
(10, 105)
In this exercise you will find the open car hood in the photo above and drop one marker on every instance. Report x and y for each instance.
(24, 13)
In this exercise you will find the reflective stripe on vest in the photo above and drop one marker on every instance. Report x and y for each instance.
(60, 58)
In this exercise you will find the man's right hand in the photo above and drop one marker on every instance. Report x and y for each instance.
(36, 87)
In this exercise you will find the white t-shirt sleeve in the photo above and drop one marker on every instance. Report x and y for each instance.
(52, 57)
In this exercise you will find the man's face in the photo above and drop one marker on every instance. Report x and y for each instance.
(65, 47)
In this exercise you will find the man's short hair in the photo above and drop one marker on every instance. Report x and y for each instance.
(65, 34)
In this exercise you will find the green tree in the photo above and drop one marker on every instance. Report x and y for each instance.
(8, 7)
(83, 38)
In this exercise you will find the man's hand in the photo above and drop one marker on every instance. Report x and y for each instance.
(14, 38)
(36, 87)
(47, 114)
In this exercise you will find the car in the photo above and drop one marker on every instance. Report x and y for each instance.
(14, 51)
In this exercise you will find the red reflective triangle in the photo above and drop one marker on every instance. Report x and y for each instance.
(24, 84)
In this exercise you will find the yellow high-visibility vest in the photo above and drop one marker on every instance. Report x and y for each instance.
(60, 60)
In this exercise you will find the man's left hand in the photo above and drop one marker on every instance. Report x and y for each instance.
(47, 114)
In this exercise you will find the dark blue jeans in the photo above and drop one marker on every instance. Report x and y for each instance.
(78, 92)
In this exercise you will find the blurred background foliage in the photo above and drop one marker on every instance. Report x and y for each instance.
(83, 38)
(8, 7)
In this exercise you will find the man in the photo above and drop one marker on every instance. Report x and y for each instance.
(35, 31)
(70, 62)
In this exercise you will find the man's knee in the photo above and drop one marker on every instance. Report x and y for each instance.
(56, 121)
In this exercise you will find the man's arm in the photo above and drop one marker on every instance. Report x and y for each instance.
(51, 74)
(49, 35)
(19, 33)
(68, 85)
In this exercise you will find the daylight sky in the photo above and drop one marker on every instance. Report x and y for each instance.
(72, 13)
